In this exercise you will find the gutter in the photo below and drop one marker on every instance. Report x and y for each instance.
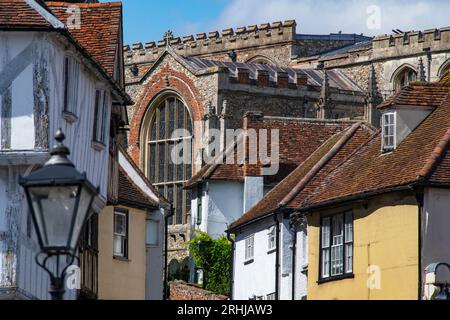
(166, 247)
(233, 249)
(277, 259)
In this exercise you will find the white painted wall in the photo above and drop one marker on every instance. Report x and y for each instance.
(253, 191)
(257, 277)
(436, 222)
(155, 260)
(222, 203)
(301, 263)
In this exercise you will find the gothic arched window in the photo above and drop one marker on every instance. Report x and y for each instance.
(404, 78)
(168, 176)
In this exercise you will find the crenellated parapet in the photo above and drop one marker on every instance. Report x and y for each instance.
(214, 42)
(411, 43)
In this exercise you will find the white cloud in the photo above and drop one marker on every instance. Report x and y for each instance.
(348, 16)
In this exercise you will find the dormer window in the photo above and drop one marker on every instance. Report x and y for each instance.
(388, 126)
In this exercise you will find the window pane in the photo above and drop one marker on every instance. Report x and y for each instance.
(179, 204)
(162, 162)
(188, 195)
(171, 117)
(180, 108)
(325, 263)
(348, 227)
(325, 232)
(162, 122)
(118, 246)
(153, 127)
(153, 160)
(171, 166)
(152, 232)
(349, 258)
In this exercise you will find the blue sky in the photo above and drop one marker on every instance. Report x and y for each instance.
(147, 20)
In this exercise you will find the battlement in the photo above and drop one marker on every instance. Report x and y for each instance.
(411, 42)
(266, 34)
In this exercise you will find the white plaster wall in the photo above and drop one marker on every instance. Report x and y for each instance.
(301, 263)
(155, 260)
(253, 191)
(436, 222)
(22, 98)
(222, 204)
(258, 277)
(408, 120)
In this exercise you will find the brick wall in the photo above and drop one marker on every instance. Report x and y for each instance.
(180, 290)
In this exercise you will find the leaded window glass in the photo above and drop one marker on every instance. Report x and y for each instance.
(168, 176)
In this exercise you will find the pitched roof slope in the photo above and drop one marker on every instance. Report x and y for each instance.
(131, 195)
(99, 31)
(422, 156)
(18, 13)
(303, 179)
(298, 139)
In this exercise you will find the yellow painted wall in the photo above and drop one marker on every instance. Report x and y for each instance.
(385, 235)
(122, 280)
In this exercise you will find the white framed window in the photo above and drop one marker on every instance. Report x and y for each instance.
(336, 251)
(388, 126)
(120, 233)
(100, 116)
(272, 240)
(152, 232)
(71, 79)
(249, 248)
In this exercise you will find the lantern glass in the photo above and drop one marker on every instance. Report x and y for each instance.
(86, 197)
(54, 208)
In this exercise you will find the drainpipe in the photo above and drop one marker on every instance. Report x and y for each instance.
(232, 264)
(277, 259)
(294, 257)
(166, 247)
(420, 197)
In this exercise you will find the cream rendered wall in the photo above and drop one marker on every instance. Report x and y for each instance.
(385, 239)
(122, 279)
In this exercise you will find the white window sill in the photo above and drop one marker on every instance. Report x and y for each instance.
(98, 146)
(69, 117)
(249, 261)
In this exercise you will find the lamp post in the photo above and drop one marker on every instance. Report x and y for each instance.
(59, 198)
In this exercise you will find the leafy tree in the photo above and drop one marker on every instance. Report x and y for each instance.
(214, 257)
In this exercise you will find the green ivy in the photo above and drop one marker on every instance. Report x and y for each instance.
(214, 256)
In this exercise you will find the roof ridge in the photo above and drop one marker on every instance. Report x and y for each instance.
(320, 164)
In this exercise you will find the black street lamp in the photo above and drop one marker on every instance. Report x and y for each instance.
(60, 199)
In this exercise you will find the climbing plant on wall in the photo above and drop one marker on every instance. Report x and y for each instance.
(213, 256)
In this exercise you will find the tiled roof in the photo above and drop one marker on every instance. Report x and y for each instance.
(131, 195)
(298, 139)
(337, 79)
(302, 180)
(421, 157)
(18, 14)
(100, 29)
(418, 94)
